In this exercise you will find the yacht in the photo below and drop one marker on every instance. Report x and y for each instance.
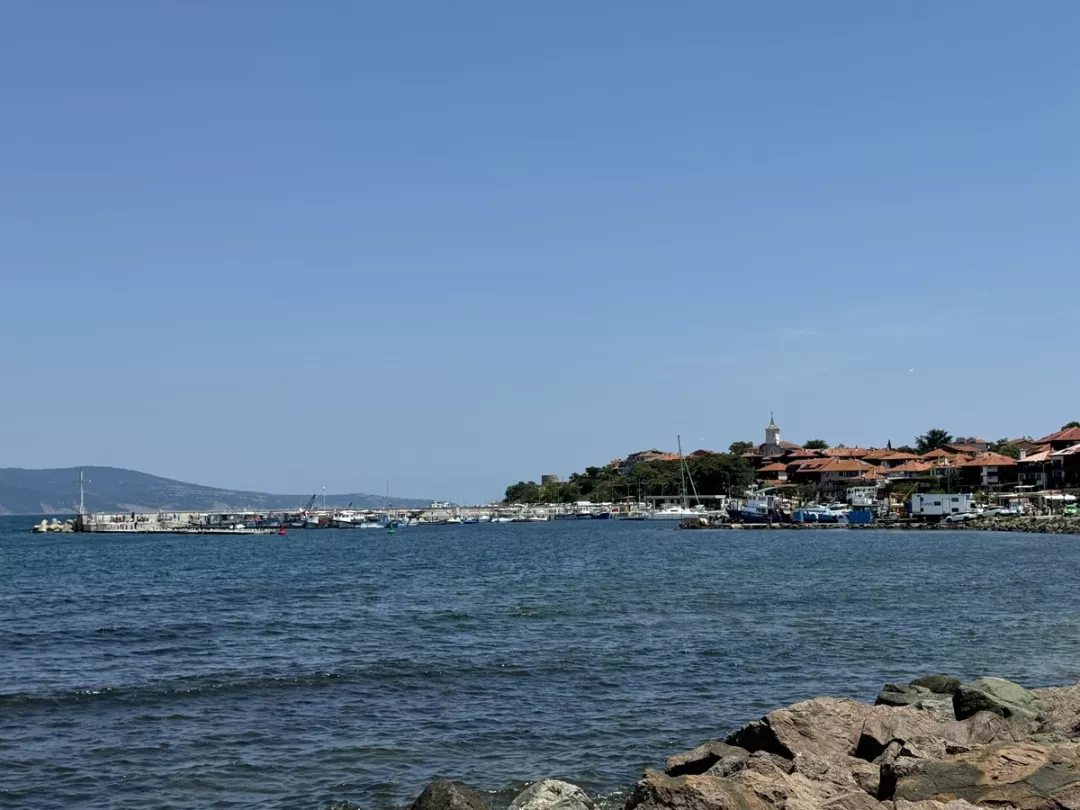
(676, 513)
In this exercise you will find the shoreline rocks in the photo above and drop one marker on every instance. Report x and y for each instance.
(932, 744)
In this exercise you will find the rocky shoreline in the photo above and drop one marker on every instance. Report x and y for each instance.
(1029, 525)
(932, 744)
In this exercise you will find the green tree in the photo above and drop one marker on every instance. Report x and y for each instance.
(740, 448)
(1002, 446)
(816, 444)
(932, 440)
(721, 474)
(1070, 425)
(523, 492)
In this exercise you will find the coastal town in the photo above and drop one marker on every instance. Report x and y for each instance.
(778, 479)
(970, 464)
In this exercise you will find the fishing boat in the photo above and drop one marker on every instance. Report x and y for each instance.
(760, 507)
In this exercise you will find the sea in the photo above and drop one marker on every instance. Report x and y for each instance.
(336, 666)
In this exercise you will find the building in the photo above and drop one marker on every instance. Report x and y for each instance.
(1065, 469)
(777, 471)
(1066, 437)
(988, 471)
(1025, 444)
(831, 476)
(1034, 468)
(772, 447)
(549, 479)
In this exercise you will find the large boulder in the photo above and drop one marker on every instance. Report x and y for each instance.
(1060, 709)
(551, 794)
(938, 684)
(849, 773)
(1021, 775)
(920, 733)
(996, 695)
(704, 757)
(826, 727)
(446, 795)
(903, 694)
(658, 791)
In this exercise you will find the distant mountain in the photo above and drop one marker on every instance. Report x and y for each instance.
(53, 492)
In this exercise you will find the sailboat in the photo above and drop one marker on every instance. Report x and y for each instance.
(676, 512)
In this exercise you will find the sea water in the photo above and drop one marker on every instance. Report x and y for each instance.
(334, 665)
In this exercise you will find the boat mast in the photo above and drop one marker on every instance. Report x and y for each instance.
(82, 482)
(682, 473)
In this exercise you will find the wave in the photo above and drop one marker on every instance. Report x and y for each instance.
(385, 673)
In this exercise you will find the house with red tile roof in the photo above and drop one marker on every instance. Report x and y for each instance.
(831, 475)
(988, 470)
(1035, 466)
(1066, 437)
(914, 468)
(849, 452)
(1024, 444)
(1065, 472)
(774, 472)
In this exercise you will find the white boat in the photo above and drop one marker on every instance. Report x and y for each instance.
(683, 511)
(675, 513)
(502, 519)
(456, 521)
(371, 524)
(484, 519)
(538, 518)
(311, 522)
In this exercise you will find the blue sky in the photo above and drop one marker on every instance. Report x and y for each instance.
(284, 245)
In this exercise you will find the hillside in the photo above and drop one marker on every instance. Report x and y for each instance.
(52, 492)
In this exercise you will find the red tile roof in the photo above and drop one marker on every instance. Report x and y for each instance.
(1038, 456)
(834, 465)
(913, 466)
(987, 459)
(778, 467)
(847, 452)
(1065, 435)
(897, 456)
(939, 452)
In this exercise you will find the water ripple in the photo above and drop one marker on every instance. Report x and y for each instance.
(298, 671)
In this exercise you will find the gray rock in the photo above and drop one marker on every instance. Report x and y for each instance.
(938, 684)
(704, 757)
(826, 727)
(551, 794)
(446, 795)
(902, 694)
(996, 695)
(658, 791)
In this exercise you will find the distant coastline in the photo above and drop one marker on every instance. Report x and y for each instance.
(113, 489)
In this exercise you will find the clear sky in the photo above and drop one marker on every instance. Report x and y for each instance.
(281, 245)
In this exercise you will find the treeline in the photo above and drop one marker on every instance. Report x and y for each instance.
(716, 474)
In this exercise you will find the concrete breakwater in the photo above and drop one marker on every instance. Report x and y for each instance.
(932, 744)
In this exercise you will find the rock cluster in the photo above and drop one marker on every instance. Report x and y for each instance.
(55, 526)
(1034, 525)
(932, 744)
